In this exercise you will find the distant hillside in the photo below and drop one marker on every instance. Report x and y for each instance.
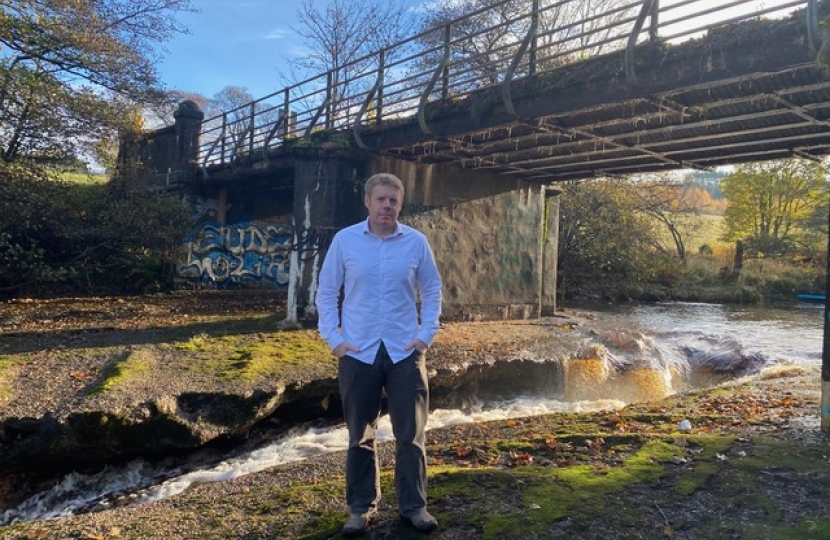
(709, 181)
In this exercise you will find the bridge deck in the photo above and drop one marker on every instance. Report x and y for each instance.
(752, 92)
(744, 89)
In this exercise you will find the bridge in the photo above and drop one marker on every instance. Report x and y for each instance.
(548, 91)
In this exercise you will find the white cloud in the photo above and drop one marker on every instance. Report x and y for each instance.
(277, 33)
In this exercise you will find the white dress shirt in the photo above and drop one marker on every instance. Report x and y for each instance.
(379, 276)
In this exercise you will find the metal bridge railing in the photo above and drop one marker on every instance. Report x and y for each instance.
(505, 42)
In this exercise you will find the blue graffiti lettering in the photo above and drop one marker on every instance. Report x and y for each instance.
(222, 254)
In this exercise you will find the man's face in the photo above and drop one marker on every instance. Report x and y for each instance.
(384, 205)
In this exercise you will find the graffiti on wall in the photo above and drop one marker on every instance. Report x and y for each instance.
(252, 251)
(311, 241)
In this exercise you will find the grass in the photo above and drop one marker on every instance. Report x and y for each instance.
(84, 178)
(245, 358)
(230, 358)
(136, 365)
(6, 371)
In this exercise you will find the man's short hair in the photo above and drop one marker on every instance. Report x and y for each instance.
(383, 179)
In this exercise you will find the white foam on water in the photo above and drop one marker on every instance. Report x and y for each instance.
(130, 485)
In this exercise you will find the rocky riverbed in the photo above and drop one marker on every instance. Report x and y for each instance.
(95, 380)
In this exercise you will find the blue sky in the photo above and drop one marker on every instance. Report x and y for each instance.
(249, 43)
(235, 43)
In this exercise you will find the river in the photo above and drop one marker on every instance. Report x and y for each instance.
(665, 337)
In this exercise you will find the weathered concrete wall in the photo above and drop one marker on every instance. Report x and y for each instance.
(487, 235)
(489, 232)
(170, 152)
(550, 250)
(155, 151)
(326, 197)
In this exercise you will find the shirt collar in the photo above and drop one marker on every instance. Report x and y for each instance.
(397, 232)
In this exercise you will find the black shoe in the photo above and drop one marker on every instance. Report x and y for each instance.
(423, 521)
(357, 523)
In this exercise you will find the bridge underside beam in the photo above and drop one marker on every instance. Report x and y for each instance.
(754, 96)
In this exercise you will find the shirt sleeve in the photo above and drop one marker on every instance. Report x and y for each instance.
(429, 289)
(328, 294)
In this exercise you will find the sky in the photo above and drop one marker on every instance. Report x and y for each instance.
(250, 43)
(245, 43)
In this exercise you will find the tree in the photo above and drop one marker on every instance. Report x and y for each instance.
(70, 70)
(603, 240)
(485, 34)
(476, 40)
(115, 237)
(770, 204)
(815, 227)
(672, 204)
(338, 38)
(573, 31)
(234, 111)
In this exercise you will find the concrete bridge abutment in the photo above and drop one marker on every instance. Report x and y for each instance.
(268, 221)
(327, 197)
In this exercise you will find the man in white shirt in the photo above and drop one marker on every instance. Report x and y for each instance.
(380, 345)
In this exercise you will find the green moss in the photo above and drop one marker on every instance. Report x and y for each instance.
(84, 178)
(250, 357)
(550, 494)
(297, 501)
(7, 368)
(318, 137)
(768, 449)
(138, 364)
(806, 528)
(199, 342)
(705, 466)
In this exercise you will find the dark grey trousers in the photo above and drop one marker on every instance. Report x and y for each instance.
(407, 391)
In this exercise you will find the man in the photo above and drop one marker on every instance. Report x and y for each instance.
(380, 346)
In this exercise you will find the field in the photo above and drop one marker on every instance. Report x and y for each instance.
(705, 229)
(82, 179)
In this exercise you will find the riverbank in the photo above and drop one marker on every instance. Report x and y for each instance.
(753, 464)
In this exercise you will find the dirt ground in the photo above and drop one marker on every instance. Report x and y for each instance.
(23, 316)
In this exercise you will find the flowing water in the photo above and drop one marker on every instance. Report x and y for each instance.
(643, 352)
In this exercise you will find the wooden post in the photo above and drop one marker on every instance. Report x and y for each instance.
(825, 353)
